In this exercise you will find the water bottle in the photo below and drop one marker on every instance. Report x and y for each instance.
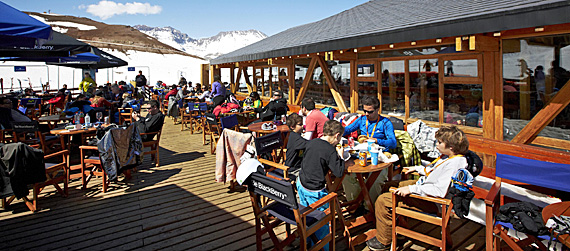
(284, 119)
(87, 120)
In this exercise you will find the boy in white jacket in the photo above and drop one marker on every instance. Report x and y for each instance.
(434, 181)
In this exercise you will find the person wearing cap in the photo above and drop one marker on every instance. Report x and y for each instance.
(276, 107)
(253, 101)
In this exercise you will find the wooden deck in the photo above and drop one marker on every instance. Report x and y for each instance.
(176, 206)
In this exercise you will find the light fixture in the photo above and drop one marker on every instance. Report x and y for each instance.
(465, 38)
(497, 34)
(289, 56)
(438, 40)
(308, 55)
(341, 52)
(317, 53)
(391, 45)
(373, 47)
(538, 29)
(413, 43)
(355, 50)
(282, 57)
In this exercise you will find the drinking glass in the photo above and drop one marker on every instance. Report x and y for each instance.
(99, 116)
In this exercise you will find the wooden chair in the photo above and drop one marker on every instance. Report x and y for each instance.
(215, 129)
(164, 106)
(285, 209)
(32, 107)
(521, 170)
(55, 173)
(91, 167)
(154, 145)
(125, 115)
(400, 227)
(48, 143)
(186, 117)
(269, 149)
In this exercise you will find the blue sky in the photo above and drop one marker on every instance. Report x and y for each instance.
(197, 18)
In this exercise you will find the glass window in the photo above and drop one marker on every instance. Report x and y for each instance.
(534, 69)
(366, 89)
(301, 67)
(365, 70)
(340, 71)
(267, 82)
(283, 72)
(393, 87)
(318, 89)
(444, 49)
(461, 68)
(463, 104)
(424, 93)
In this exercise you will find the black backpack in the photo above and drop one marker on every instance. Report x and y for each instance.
(474, 163)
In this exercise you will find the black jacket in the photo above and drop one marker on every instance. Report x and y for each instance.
(273, 110)
(151, 123)
(24, 166)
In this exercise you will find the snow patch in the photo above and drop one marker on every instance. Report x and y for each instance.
(65, 24)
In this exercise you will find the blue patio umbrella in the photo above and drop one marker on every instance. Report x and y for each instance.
(19, 29)
(81, 58)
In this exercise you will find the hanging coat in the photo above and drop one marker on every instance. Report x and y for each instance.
(24, 165)
(120, 149)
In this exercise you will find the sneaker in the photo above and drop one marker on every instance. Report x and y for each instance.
(374, 244)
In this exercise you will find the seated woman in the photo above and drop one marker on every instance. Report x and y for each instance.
(99, 103)
(58, 101)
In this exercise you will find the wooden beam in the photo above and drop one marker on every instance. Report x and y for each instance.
(306, 80)
(237, 79)
(544, 116)
(232, 79)
(406, 89)
(291, 80)
(498, 100)
(488, 87)
(332, 85)
(247, 81)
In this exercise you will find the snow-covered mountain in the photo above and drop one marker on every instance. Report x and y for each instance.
(207, 48)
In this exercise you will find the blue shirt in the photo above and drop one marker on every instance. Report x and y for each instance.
(384, 133)
(218, 89)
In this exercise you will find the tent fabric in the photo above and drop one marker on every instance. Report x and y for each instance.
(106, 60)
(536, 172)
(84, 58)
(60, 46)
(16, 23)
(381, 22)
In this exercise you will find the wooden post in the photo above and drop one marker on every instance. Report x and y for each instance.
(332, 85)
(525, 99)
(406, 89)
(354, 88)
(204, 74)
(292, 84)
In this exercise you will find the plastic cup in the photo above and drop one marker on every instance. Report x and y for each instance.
(370, 142)
(374, 156)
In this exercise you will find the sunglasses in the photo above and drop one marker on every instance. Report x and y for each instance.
(368, 112)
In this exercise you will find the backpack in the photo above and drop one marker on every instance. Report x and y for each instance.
(474, 163)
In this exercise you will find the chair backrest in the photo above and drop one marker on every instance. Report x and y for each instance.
(30, 102)
(268, 143)
(203, 107)
(277, 190)
(21, 127)
(550, 175)
(210, 118)
(229, 122)
(397, 123)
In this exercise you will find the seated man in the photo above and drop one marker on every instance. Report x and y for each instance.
(151, 123)
(434, 181)
(276, 107)
(321, 155)
(314, 121)
(373, 125)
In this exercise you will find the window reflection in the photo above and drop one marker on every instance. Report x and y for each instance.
(367, 89)
(463, 104)
(534, 70)
(393, 88)
(365, 70)
(461, 68)
(424, 94)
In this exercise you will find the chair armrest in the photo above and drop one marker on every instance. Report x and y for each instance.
(442, 201)
(89, 147)
(492, 195)
(317, 204)
(273, 164)
(64, 152)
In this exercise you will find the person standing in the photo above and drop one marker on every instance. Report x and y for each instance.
(140, 81)
(218, 91)
(87, 83)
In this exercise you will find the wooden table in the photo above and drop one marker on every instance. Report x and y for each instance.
(256, 127)
(192, 99)
(52, 120)
(65, 132)
(246, 119)
(558, 209)
(366, 176)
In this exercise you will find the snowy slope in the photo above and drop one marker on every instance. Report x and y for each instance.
(208, 48)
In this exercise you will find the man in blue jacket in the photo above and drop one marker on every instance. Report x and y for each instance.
(373, 125)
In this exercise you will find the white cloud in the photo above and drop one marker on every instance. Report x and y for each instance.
(107, 9)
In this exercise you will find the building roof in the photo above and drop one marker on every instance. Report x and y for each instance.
(393, 21)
